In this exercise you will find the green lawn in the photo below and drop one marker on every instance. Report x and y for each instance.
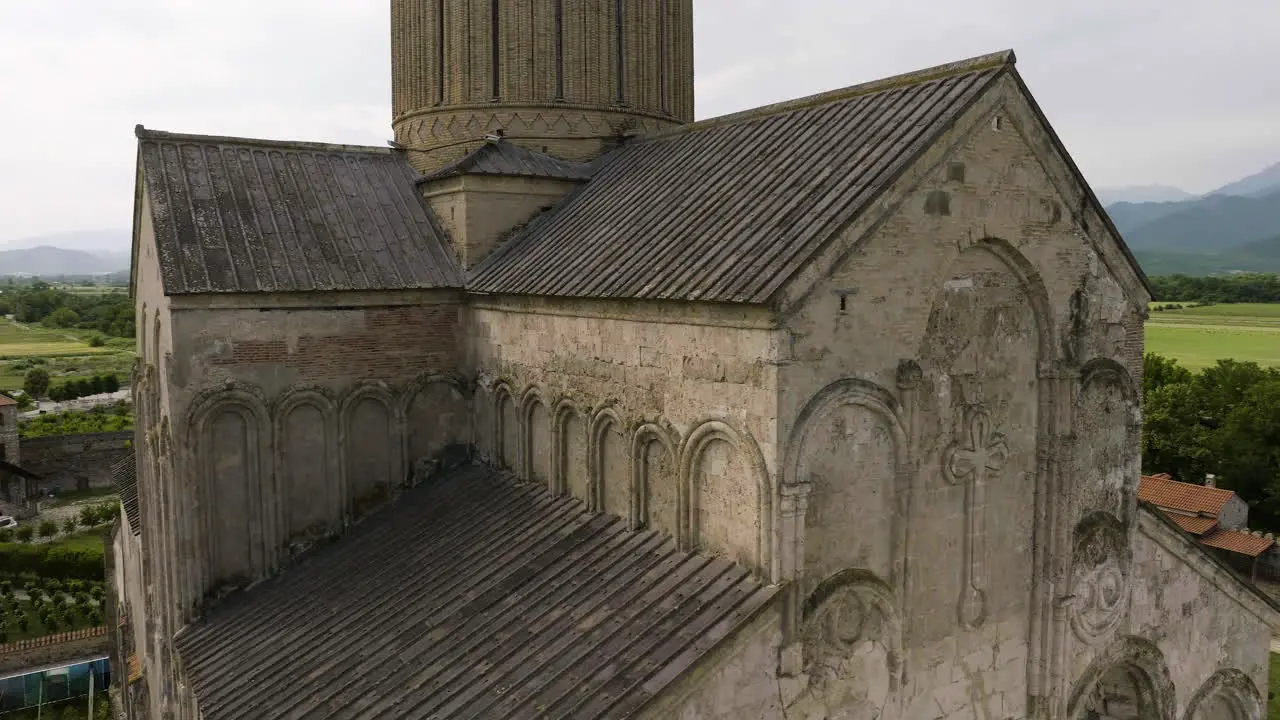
(1197, 337)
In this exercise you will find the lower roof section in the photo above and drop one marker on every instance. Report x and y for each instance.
(472, 597)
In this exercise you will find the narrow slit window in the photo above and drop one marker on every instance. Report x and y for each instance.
(664, 56)
(494, 40)
(619, 48)
(439, 52)
(560, 49)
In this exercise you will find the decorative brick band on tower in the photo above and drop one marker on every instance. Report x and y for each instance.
(566, 77)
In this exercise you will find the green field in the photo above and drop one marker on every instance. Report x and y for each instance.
(1197, 337)
(64, 353)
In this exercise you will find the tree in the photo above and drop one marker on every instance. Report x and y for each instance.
(69, 525)
(88, 516)
(36, 383)
(63, 317)
(24, 533)
(48, 528)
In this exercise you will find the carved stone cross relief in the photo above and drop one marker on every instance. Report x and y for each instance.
(977, 455)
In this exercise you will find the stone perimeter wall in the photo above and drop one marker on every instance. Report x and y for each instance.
(75, 462)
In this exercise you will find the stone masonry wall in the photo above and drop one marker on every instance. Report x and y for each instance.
(75, 462)
(294, 416)
(622, 408)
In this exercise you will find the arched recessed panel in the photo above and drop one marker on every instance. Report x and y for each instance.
(1107, 447)
(371, 453)
(726, 501)
(613, 474)
(436, 417)
(573, 458)
(509, 431)
(850, 463)
(538, 444)
(661, 495)
(1227, 695)
(482, 424)
(979, 410)
(308, 485)
(232, 479)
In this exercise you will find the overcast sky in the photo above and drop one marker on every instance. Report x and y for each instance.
(1179, 92)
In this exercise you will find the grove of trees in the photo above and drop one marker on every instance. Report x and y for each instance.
(1225, 421)
(1239, 288)
(39, 302)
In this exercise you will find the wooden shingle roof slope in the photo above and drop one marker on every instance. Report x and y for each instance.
(237, 215)
(729, 209)
(471, 597)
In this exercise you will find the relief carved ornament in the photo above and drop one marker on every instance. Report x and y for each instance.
(852, 652)
(1100, 576)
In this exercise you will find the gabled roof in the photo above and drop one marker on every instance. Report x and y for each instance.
(1194, 524)
(236, 215)
(506, 159)
(1163, 491)
(5, 400)
(1235, 541)
(729, 209)
(473, 596)
(125, 474)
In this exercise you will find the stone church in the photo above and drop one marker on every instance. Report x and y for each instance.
(567, 406)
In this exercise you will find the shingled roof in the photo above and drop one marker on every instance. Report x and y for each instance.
(477, 597)
(236, 215)
(502, 158)
(729, 209)
(125, 474)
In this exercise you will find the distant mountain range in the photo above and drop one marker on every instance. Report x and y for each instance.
(1235, 228)
(85, 252)
(51, 261)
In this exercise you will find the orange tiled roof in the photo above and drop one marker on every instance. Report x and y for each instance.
(6, 400)
(1194, 524)
(135, 669)
(1163, 491)
(1238, 542)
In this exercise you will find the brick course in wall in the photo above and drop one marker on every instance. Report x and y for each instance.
(390, 342)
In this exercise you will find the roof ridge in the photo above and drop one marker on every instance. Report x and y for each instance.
(143, 133)
(1002, 58)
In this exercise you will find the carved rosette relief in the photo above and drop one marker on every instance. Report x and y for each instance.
(851, 657)
(977, 455)
(1100, 577)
